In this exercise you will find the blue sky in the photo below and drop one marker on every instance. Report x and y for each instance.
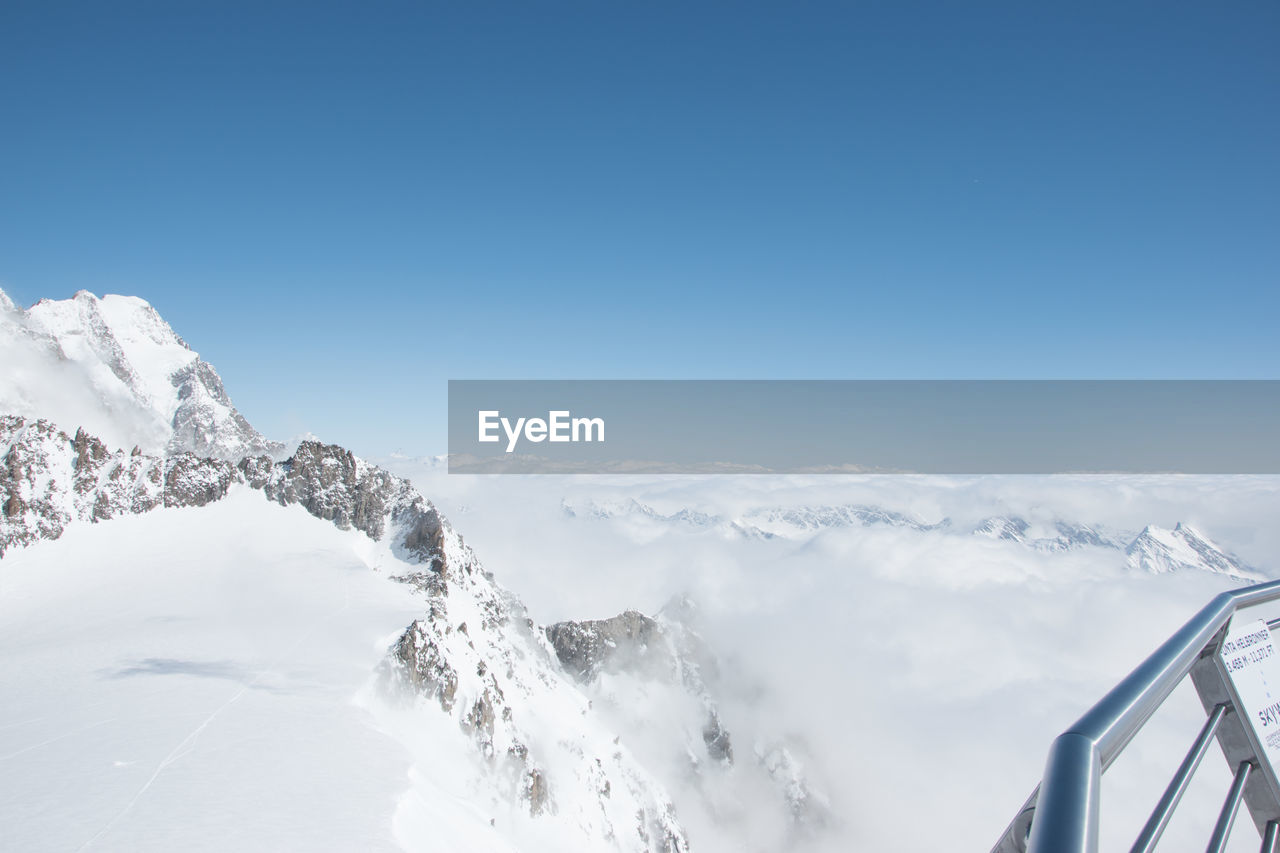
(342, 206)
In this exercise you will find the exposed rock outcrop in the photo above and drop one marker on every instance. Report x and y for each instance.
(49, 479)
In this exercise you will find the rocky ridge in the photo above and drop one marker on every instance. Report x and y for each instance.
(475, 655)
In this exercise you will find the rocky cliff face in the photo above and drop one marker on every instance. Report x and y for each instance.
(657, 673)
(479, 659)
(49, 479)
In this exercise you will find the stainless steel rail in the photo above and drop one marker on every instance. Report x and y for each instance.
(1061, 816)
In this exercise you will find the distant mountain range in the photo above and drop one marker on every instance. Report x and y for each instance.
(1154, 549)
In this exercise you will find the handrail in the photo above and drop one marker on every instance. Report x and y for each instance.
(1065, 817)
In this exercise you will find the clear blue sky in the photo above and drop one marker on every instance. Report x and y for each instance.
(343, 205)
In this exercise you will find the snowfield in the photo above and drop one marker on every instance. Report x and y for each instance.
(186, 680)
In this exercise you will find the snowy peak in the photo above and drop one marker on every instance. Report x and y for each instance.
(1159, 550)
(1060, 536)
(804, 519)
(115, 367)
(757, 523)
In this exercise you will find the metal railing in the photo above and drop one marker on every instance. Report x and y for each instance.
(1061, 815)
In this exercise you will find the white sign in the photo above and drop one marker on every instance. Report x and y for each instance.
(1253, 666)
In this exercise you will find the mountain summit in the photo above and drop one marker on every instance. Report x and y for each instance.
(113, 366)
(1159, 550)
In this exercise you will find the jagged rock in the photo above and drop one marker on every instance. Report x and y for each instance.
(256, 470)
(328, 481)
(205, 422)
(424, 667)
(49, 480)
(89, 451)
(716, 738)
(536, 792)
(423, 536)
(622, 642)
(478, 659)
(663, 649)
(647, 669)
(809, 810)
(192, 481)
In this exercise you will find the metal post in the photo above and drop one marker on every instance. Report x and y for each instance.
(1269, 840)
(1066, 818)
(1164, 809)
(1218, 841)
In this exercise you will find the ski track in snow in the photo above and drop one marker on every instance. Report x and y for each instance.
(27, 749)
(187, 744)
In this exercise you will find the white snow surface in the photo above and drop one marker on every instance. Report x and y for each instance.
(185, 680)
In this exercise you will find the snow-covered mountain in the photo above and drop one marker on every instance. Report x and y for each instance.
(1060, 536)
(1159, 550)
(1154, 550)
(114, 367)
(539, 762)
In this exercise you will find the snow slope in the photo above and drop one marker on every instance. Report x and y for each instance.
(183, 680)
(1159, 550)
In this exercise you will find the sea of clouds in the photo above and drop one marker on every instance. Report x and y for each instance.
(922, 674)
